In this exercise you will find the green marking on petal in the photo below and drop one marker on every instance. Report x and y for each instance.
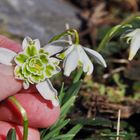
(50, 67)
(31, 50)
(31, 70)
(25, 71)
(21, 58)
(18, 73)
(80, 63)
(44, 58)
(35, 66)
(37, 79)
(61, 55)
(48, 73)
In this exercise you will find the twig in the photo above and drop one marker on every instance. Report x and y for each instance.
(118, 124)
(121, 61)
(107, 75)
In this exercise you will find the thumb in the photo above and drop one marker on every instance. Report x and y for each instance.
(9, 44)
(8, 84)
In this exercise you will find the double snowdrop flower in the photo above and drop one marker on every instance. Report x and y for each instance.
(35, 65)
(134, 39)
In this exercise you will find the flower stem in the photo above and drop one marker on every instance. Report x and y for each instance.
(113, 31)
(60, 35)
(23, 114)
(70, 32)
(76, 35)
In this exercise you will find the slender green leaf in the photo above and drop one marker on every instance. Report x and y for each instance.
(65, 108)
(78, 75)
(59, 36)
(52, 133)
(93, 122)
(109, 36)
(74, 131)
(62, 93)
(72, 91)
(63, 136)
(11, 135)
(43, 133)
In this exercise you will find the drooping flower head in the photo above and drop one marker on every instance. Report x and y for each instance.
(134, 39)
(76, 55)
(34, 65)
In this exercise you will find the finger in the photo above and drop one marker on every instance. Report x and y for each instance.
(33, 134)
(9, 44)
(9, 85)
(34, 104)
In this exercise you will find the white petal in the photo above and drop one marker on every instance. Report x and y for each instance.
(84, 59)
(25, 42)
(37, 43)
(135, 45)
(70, 62)
(69, 50)
(26, 85)
(48, 92)
(134, 33)
(58, 69)
(56, 47)
(54, 60)
(6, 56)
(97, 56)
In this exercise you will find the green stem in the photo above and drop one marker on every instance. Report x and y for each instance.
(78, 75)
(70, 32)
(59, 36)
(23, 114)
(115, 30)
(76, 35)
(108, 37)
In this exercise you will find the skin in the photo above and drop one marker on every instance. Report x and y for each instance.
(33, 134)
(7, 79)
(40, 112)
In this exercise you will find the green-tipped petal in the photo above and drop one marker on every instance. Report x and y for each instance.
(18, 73)
(70, 62)
(85, 61)
(44, 58)
(25, 71)
(31, 51)
(37, 78)
(21, 58)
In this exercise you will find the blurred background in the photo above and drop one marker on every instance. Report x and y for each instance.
(106, 91)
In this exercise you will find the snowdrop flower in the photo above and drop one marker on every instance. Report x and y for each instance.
(35, 65)
(134, 39)
(76, 55)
